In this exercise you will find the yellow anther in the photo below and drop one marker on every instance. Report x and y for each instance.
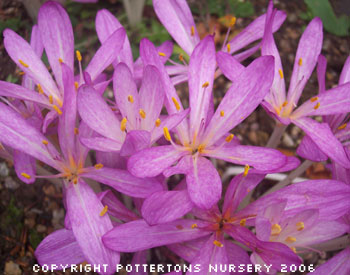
(242, 222)
(300, 62)
(75, 180)
(233, 21)
(142, 113)
(193, 226)
(76, 131)
(166, 134)
(158, 122)
(229, 137)
(281, 73)
(78, 54)
(285, 103)
(104, 211)
(300, 226)
(21, 73)
(181, 57)
(341, 127)
(76, 85)
(98, 166)
(294, 249)
(222, 113)
(161, 54)
(313, 99)
(23, 64)
(246, 170)
(275, 229)
(201, 148)
(25, 175)
(123, 124)
(228, 46)
(218, 244)
(192, 31)
(40, 89)
(205, 84)
(50, 99)
(58, 110)
(290, 239)
(176, 103)
(45, 142)
(317, 105)
(130, 99)
(60, 60)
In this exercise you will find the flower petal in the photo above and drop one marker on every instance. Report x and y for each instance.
(307, 149)
(339, 264)
(135, 141)
(229, 65)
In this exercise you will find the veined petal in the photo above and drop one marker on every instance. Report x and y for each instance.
(255, 31)
(97, 114)
(59, 248)
(153, 161)
(241, 99)
(88, 224)
(138, 235)
(345, 73)
(307, 149)
(18, 134)
(309, 48)
(176, 17)
(139, 258)
(135, 140)
(19, 49)
(259, 157)
(322, 136)
(201, 76)
(151, 97)
(106, 23)
(101, 144)
(106, 54)
(36, 41)
(203, 182)
(166, 206)
(321, 73)
(24, 163)
(57, 36)
(188, 250)
(229, 66)
(339, 264)
(124, 182)
(340, 173)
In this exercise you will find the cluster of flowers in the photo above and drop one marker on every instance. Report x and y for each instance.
(60, 119)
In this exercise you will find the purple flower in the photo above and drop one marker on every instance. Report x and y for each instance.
(206, 134)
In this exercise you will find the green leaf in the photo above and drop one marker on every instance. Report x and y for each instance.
(333, 24)
(243, 9)
(12, 23)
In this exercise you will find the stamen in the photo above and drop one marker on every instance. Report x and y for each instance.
(40, 89)
(21, 73)
(218, 244)
(313, 99)
(317, 105)
(228, 46)
(25, 175)
(167, 134)
(76, 131)
(294, 249)
(233, 21)
(58, 110)
(201, 148)
(60, 60)
(123, 124)
(181, 57)
(50, 99)
(23, 64)
(142, 113)
(205, 84)
(45, 142)
(176, 103)
(192, 31)
(242, 222)
(300, 62)
(281, 73)
(130, 99)
(229, 137)
(341, 127)
(275, 229)
(78, 54)
(75, 180)
(158, 122)
(161, 54)
(104, 211)
(222, 113)
(246, 170)
(76, 85)
(193, 226)
(290, 239)
(285, 103)
(98, 166)
(300, 226)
